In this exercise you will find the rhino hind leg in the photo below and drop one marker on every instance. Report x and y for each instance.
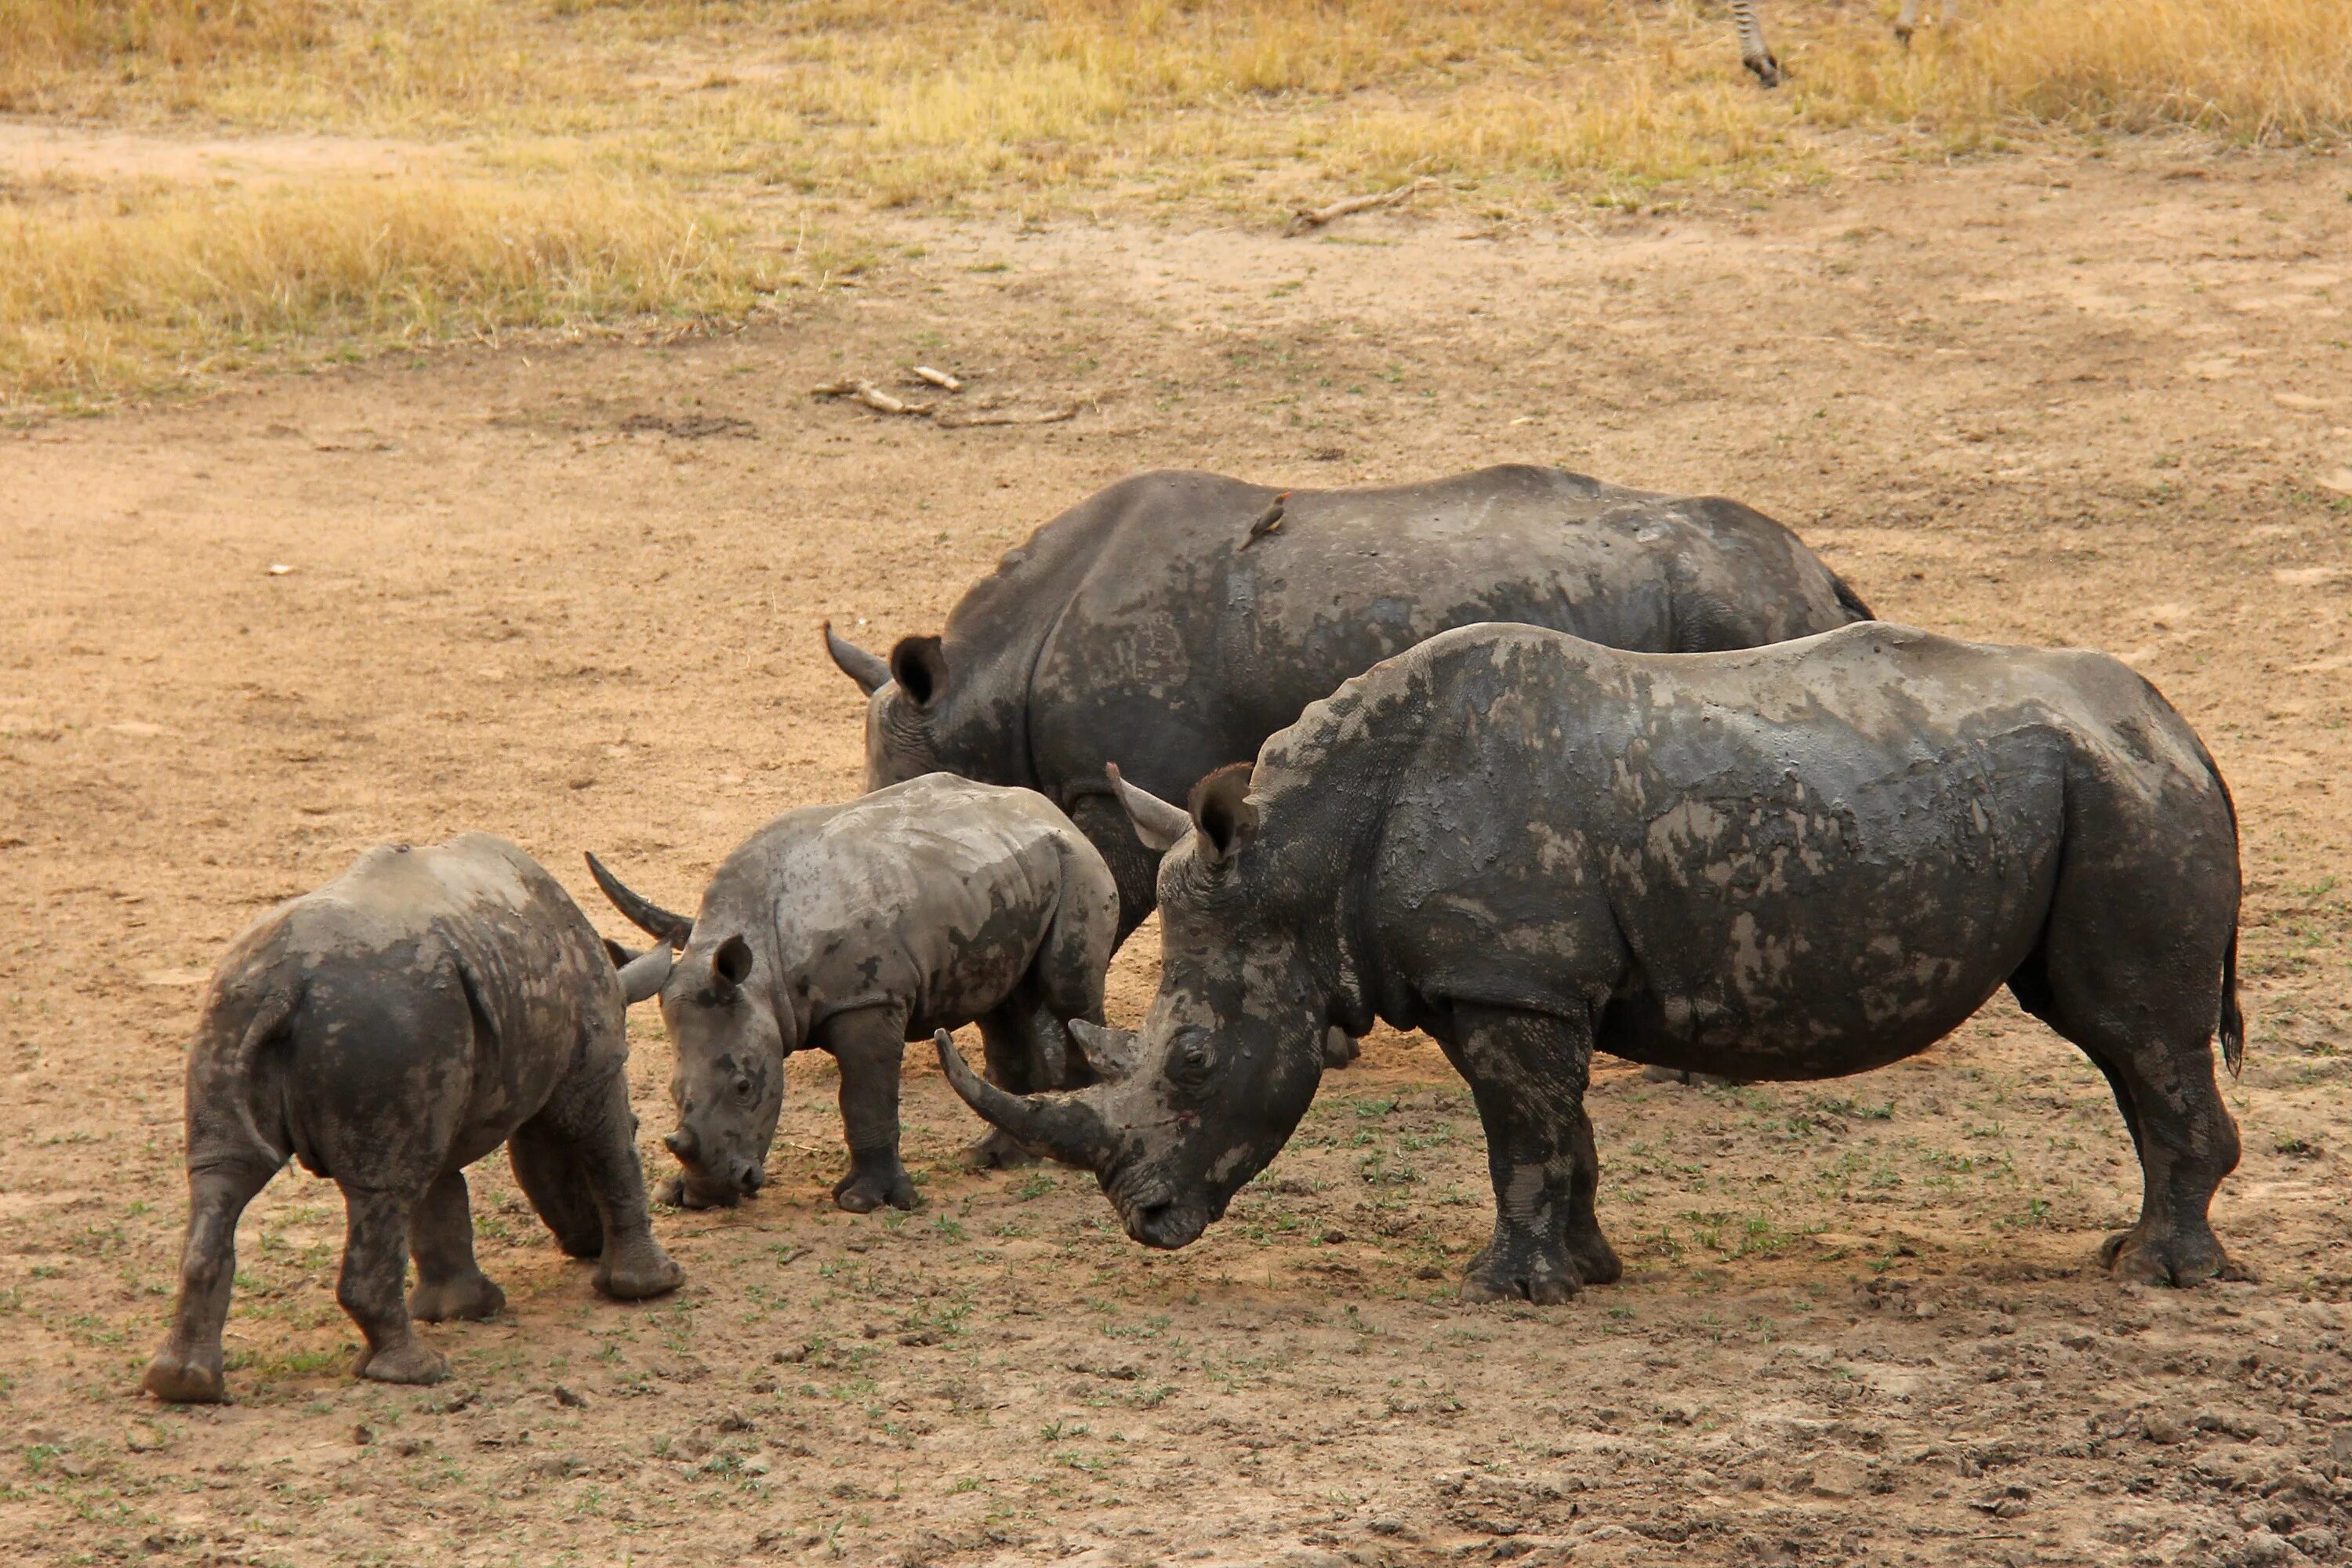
(2145, 1021)
(550, 1177)
(1527, 1072)
(375, 1258)
(583, 1149)
(450, 1283)
(187, 1367)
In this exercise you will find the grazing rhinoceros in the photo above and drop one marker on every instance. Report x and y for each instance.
(854, 929)
(388, 1030)
(1173, 621)
(1790, 862)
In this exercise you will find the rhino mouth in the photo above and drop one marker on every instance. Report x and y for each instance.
(1153, 1215)
(698, 1189)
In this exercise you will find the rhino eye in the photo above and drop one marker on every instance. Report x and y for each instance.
(742, 1088)
(1190, 1061)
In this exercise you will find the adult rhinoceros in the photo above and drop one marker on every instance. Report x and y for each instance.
(1790, 862)
(1173, 621)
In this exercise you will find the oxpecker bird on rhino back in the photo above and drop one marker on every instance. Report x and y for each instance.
(1789, 862)
(1173, 621)
(854, 929)
(388, 1030)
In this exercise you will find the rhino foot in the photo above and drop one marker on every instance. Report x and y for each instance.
(1523, 1267)
(997, 1152)
(1694, 1079)
(637, 1272)
(2178, 1259)
(178, 1378)
(469, 1296)
(1340, 1047)
(1595, 1261)
(865, 1189)
(407, 1358)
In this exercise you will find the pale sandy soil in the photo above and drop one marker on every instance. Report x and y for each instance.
(2086, 401)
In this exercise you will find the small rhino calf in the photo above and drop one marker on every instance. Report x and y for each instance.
(388, 1030)
(854, 929)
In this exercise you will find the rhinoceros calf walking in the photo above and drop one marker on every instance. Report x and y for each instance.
(1172, 622)
(388, 1030)
(1791, 862)
(854, 929)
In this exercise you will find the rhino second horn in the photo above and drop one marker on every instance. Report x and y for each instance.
(1112, 1053)
(867, 669)
(1061, 1125)
(644, 913)
(1161, 827)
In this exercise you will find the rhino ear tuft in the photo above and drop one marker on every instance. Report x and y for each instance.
(1222, 812)
(919, 666)
(731, 964)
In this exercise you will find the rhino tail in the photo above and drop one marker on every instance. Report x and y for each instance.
(1849, 600)
(2234, 1022)
(268, 1023)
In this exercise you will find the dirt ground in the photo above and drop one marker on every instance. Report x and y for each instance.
(571, 594)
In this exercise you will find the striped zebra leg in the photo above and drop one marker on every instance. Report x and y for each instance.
(1753, 54)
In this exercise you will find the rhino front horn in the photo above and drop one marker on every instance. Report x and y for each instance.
(867, 669)
(1060, 1125)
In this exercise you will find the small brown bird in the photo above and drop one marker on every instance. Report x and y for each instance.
(1267, 521)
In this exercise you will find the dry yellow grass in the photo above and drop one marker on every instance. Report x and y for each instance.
(1032, 103)
(114, 290)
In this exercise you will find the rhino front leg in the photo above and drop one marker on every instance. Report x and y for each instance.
(870, 1045)
(1527, 1073)
(450, 1283)
(187, 1369)
(375, 1256)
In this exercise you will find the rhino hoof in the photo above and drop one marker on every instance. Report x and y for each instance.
(862, 1192)
(473, 1296)
(1524, 1271)
(1340, 1047)
(2132, 1256)
(177, 1380)
(997, 1152)
(407, 1360)
(640, 1278)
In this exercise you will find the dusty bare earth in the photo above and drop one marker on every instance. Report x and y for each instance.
(572, 594)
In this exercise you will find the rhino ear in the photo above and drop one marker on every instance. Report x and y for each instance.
(1111, 1053)
(1221, 813)
(870, 673)
(1157, 823)
(731, 964)
(920, 667)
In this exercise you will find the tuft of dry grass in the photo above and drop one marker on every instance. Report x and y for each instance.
(105, 291)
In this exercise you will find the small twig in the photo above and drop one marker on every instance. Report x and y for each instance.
(938, 378)
(858, 389)
(966, 421)
(1305, 218)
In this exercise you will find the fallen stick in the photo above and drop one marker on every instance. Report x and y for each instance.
(858, 389)
(1305, 218)
(938, 378)
(1006, 417)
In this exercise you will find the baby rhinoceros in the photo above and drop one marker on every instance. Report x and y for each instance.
(854, 929)
(388, 1030)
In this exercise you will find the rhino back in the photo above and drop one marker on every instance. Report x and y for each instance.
(1775, 859)
(934, 894)
(1181, 650)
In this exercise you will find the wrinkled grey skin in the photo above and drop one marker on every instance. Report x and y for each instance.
(1790, 862)
(1137, 628)
(854, 929)
(388, 1030)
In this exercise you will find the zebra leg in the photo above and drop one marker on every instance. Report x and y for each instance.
(1753, 52)
(1907, 22)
